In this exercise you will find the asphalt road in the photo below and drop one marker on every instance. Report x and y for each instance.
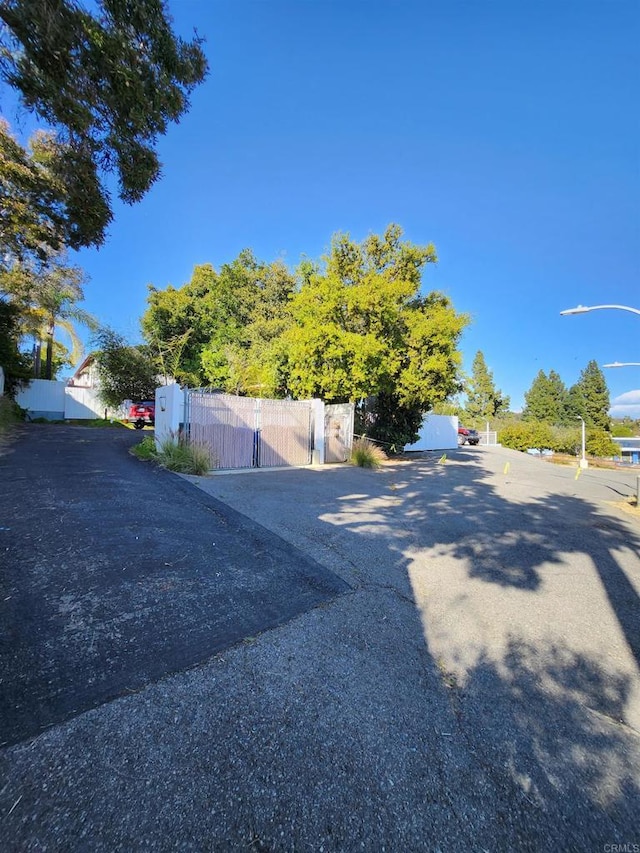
(471, 681)
(116, 573)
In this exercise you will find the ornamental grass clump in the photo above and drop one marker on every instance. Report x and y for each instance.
(146, 449)
(366, 454)
(184, 457)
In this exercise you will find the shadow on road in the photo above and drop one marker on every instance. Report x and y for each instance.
(547, 713)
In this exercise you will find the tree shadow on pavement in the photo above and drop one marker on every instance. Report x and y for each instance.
(530, 611)
(542, 719)
(455, 511)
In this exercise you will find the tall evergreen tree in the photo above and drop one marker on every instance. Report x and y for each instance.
(575, 404)
(591, 389)
(484, 400)
(546, 400)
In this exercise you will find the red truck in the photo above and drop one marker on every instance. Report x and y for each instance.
(468, 436)
(142, 414)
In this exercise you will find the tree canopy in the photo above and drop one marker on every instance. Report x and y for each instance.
(220, 328)
(13, 361)
(549, 400)
(126, 372)
(361, 327)
(350, 327)
(44, 206)
(591, 389)
(107, 80)
(546, 400)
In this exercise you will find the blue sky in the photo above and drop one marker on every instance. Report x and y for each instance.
(506, 133)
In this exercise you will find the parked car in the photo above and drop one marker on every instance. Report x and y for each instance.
(468, 436)
(142, 414)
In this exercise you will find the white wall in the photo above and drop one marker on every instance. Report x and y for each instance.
(438, 432)
(47, 398)
(82, 403)
(43, 398)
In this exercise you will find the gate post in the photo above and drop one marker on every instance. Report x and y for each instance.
(317, 409)
(170, 414)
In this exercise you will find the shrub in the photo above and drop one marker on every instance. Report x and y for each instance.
(10, 414)
(600, 443)
(182, 456)
(567, 440)
(366, 454)
(623, 431)
(389, 422)
(540, 435)
(146, 449)
(526, 434)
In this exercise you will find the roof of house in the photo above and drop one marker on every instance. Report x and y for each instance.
(82, 368)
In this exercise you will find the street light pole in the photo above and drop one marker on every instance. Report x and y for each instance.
(583, 460)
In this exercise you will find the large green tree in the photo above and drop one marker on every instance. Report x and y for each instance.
(546, 400)
(184, 314)
(484, 400)
(593, 395)
(362, 329)
(108, 78)
(353, 326)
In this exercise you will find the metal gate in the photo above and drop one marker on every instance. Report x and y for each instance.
(248, 432)
(338, 432)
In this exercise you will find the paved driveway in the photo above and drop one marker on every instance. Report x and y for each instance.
(116, 573)
(475, 688)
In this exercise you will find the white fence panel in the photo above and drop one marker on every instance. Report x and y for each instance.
(43, 398)
(83, 403)
(488, 437)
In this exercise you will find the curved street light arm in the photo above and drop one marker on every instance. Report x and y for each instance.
(623, 364)
(583, 309)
